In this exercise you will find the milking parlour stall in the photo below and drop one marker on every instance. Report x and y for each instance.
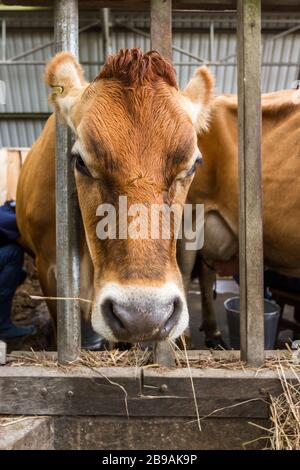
(149, 241)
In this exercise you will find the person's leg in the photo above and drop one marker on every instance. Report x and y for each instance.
(11, 276)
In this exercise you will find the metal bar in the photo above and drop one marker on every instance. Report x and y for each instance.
(32, 50)
(250, 194)
(49, 43)
(67, 213)
(147, 35)
(24, 116)
(283, 33)
(183, 64)
(105, 32)
(212, 41)
(3, 40)
(266, 40)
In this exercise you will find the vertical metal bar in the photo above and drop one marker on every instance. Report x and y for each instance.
(3, 39)
(212, 41)
(161, 41)
(105, 32)
(67, 213)
(161, 27)
(250, 197)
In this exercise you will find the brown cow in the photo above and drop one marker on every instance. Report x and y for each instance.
(134, 136)
(216, 186)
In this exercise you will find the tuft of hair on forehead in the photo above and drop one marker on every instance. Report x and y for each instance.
(133, 68)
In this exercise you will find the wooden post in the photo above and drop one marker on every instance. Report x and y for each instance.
(250, 197)
(67, 213)
(105, 33)
(161, 41)
(2, 353)
(161, 27)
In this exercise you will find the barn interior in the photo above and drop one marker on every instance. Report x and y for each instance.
(199, 37)
(220, 402)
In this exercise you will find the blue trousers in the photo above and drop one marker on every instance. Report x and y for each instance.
(12, 275)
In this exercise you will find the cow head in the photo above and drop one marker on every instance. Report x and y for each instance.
(135, 141)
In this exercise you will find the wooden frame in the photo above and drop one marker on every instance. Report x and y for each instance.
(250, 194)
(145, 391)
(268, 5)
(67, 212)
(250, 212)
(139, 391)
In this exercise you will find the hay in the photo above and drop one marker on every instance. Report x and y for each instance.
(209, 361)
(230, 360)
(285, 414)
(134, 357)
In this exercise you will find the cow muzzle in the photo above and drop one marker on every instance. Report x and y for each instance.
(136, 314)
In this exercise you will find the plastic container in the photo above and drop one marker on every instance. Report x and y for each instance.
(271, 318)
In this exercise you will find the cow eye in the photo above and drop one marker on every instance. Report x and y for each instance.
(192, 170)
(81, 166)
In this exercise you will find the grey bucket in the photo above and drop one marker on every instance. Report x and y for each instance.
(271, 317)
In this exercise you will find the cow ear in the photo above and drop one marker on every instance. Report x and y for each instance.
(65, 77)
(198, 96)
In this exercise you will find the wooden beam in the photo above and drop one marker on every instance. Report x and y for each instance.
(67, 212)
(161, 41)
(2, 352)
(268, 5)
(161, 27)
(250, 181)
(74, 391)
(105, 33)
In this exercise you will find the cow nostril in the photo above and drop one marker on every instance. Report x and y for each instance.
(110, 312)
(173, 317)
(130, 322)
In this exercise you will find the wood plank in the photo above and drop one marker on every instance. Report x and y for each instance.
(233, 393)
(161, 27)
(250, 182)
(40, 391)
(2, 352)
(163, 354)
(233, 384)
(151, 392)
(185, 407)
(87, 433)
(161, 41)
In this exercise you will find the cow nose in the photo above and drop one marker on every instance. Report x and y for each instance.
(133, 323)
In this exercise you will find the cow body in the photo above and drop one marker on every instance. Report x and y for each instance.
(216, 186)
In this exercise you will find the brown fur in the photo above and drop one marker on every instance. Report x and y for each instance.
(137, 138)
(216, 182)
(216, 186)
(133, 68)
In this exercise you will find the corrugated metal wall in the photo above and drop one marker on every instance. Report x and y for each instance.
(26, 92)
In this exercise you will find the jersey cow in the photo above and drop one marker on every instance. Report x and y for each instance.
(216, 186)
(135, 136)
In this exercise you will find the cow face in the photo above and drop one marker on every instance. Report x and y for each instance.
(135, 149)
